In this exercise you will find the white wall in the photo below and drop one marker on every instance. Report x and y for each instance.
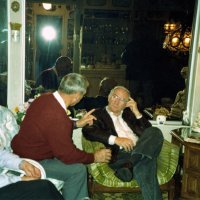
(16, 57)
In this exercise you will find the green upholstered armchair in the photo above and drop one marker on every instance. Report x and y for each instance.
(102, 178)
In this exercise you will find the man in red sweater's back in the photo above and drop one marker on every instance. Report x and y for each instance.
(46, 136)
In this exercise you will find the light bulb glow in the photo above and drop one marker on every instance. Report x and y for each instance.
(47, 6)
(175, 41)
(186, 41)
(48, 33)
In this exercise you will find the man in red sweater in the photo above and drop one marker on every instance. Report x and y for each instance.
(46, 136)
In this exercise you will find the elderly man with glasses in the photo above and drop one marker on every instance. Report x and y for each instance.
(135, 144)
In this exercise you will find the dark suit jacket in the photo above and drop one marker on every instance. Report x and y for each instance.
(103, 127)
(48, 79)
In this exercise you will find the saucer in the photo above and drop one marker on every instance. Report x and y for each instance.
(196, 129)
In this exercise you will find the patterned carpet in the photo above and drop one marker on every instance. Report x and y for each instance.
(121, 196)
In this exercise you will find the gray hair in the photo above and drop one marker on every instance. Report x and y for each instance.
(73, 83)
(120, 87)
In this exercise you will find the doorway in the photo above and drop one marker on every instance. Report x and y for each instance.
(48, 41)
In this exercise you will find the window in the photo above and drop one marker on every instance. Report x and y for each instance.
(147, 28)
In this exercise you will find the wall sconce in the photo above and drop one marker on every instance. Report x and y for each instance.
(49, 6)
(15, 31)
(15, 6)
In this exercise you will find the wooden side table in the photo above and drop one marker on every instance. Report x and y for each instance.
(190, 188)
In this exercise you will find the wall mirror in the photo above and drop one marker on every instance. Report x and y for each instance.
(46, 37)
(106, 29)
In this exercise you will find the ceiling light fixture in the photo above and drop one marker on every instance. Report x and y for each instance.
(47, 6)
(178, 37)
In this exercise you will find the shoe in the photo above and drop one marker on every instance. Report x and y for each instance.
(125, 174)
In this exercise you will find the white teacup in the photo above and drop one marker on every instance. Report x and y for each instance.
(161, 119)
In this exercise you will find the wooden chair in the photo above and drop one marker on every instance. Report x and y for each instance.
(102, 178)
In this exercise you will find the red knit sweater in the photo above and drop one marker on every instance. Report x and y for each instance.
(46, 133)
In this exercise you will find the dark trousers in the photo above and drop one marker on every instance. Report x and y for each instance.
(144, 160)
(30, 190)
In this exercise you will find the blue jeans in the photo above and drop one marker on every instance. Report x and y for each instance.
(144, 160)
(73, 175)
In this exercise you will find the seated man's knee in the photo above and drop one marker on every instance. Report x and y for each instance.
(41, 185)
(82, 169)
(45, 184)
(154, 134)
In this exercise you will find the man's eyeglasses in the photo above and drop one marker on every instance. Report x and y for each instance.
(114, 96)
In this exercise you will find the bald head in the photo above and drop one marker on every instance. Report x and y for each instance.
(118, 99)
(106, 85)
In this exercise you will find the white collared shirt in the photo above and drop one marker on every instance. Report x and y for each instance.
(122, 131)
(59, 99)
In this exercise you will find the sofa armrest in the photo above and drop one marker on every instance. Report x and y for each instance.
(167, 162)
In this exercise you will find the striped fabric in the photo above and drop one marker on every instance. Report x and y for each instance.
(104, 175)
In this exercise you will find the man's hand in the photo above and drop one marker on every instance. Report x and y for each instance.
(125, 143)
(133, 106)
(31, 171)
(102, 156)
(86, 119)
